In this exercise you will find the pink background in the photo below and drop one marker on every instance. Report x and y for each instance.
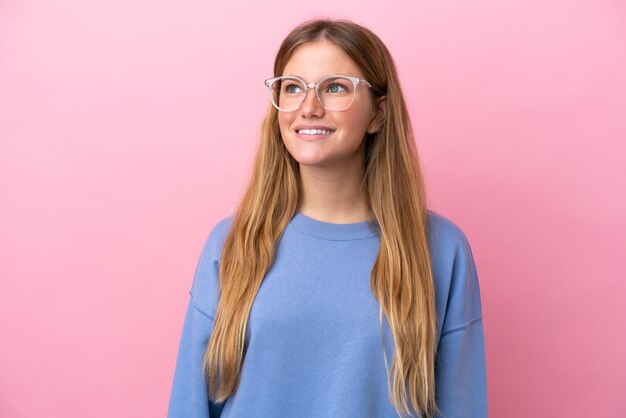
(127, 130)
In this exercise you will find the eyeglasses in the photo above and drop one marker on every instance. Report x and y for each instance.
(335, 92)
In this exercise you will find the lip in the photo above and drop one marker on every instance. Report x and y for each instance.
(326, 128)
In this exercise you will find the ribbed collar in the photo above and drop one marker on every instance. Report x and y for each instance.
(335, 232)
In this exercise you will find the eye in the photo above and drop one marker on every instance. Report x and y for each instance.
(292, 87)
(336, 87)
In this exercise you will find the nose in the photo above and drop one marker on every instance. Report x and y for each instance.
(311, 106)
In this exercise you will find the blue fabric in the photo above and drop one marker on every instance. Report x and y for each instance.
(313, 342)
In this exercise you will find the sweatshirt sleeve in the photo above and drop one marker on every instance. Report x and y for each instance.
(189, 394)
(460, 371)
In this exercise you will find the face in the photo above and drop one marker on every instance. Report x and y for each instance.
(345, 144)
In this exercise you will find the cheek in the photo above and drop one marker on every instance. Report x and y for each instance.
(357, 123)
(359, 114)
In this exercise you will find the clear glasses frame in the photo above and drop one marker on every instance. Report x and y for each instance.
(355, 81)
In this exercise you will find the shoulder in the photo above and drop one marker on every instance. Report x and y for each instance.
(216, 237)
(222, 227)
(455, 277)
(205, 286)
(444, 235)
(448, 244)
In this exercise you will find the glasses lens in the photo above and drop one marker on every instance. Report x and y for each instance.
(287, 93)
(336, 93)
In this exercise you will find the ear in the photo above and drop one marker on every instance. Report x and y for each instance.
(380, 113)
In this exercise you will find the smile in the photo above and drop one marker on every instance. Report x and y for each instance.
(314, 132)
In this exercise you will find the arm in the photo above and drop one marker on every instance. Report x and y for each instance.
(189, 391)
(460, 373)
(189, 395)
(460, 378)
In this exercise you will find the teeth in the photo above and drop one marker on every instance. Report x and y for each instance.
(314, 132)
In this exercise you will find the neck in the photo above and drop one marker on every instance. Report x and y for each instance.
(334, 196)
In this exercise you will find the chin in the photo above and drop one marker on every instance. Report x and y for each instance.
(309, 158)
(305, 162)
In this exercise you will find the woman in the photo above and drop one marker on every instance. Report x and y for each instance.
(333, 291)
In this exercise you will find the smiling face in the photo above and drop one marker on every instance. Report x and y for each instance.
(345, 144)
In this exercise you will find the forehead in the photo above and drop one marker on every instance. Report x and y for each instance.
(313, 60)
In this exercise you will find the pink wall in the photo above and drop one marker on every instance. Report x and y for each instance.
(127, 130)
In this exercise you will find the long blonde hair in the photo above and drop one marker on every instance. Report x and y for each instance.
(401, 278)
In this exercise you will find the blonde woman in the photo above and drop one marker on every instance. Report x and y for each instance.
(333, 291)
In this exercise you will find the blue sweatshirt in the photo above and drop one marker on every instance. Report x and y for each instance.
(313, 343)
